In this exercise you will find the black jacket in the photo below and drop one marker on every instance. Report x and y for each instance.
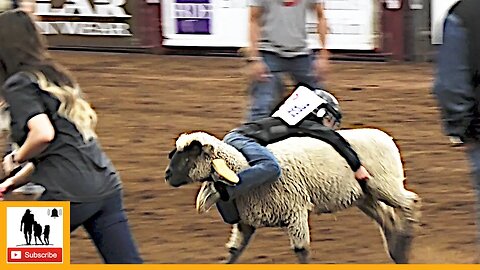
(270, 130)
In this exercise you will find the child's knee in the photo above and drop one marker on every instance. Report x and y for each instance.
(275, 169)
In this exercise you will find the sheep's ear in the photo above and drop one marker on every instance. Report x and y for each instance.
(196, 147)
(170, 155)
(208, 149)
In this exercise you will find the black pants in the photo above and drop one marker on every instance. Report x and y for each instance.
(107, 225)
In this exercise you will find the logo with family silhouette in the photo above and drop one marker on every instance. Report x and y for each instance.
(29, 226)
(34, 234)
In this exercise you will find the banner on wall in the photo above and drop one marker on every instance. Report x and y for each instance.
(82, 17)
(193, 16)
(393, 4)
(88, 23)
(224, 23)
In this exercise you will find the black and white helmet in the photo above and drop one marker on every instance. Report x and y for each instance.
(329, 109)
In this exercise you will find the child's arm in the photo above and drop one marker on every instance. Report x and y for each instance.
(339, 144)
(16, 181)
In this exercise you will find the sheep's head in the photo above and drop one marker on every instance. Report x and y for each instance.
(189, 163)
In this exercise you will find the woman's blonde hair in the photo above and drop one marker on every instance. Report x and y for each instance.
(73, 106)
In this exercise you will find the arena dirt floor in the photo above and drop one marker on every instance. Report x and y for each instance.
(145, 101)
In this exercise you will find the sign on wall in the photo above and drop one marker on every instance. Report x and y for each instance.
(193, 16)
(95, 23)
(393, 4)
(351, 24)
(82, 17)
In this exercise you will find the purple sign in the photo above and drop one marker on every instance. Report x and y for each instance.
(193, 16)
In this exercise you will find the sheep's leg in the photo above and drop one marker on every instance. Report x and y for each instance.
(404, 216)
(386, 218)
(241, 235)
(299, 234)
(407, 202)
(409, 215)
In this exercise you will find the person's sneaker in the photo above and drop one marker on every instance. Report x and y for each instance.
(207, 197)
(30, 189)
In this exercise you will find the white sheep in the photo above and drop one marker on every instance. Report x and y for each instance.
(315, 178)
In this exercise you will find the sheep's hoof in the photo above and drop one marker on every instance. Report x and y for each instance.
(402, 249)
(302, 255)
(233, 254)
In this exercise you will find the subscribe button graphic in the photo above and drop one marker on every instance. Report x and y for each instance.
(35, 255)
(35, 234)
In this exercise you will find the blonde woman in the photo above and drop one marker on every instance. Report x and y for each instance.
(54, 128)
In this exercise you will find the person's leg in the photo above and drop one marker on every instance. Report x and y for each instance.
(25, 233)
(81, 212)
(279, 93)
(40, 239)
(264, 167)
(453, 76)
(453, 83)
(29, 236)
(302, 70)
(111, 233)
(264, 94)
